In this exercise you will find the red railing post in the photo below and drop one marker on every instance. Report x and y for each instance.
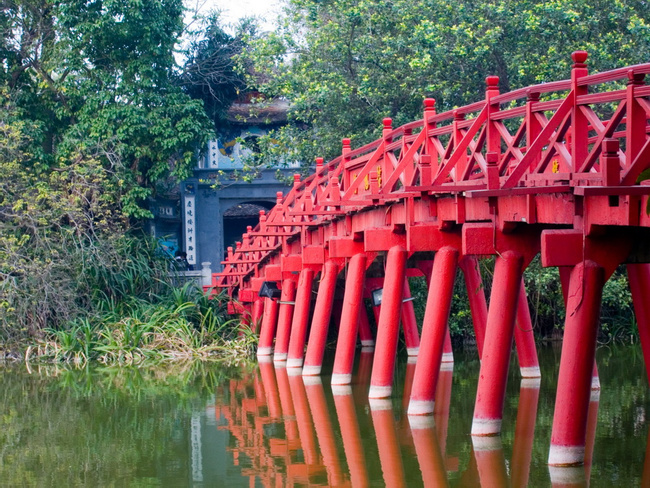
(635, 124)
(533, 127)
(429, 155)
(457, 134)
(580, 124)
(493, 142)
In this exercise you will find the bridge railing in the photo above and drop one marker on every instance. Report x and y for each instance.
(540, 138)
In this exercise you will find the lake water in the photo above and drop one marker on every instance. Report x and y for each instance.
(208, 425)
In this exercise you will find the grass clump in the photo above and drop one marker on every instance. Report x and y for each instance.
(121, 306)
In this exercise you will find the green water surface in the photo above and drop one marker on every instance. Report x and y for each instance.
(203, 424)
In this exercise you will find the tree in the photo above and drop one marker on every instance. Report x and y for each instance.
(346, 64)
(92, 120)
(209, 72)
(98, 78)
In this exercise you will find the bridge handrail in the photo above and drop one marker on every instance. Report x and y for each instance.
(444, 151)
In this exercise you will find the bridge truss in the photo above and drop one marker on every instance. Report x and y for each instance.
(552, 169)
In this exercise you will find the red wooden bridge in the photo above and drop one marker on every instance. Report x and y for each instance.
(551, 169)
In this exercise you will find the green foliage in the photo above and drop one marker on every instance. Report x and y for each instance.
(346, 64)
(545, 298)
(183, 324)
(93, 122)
(97, 80)
(209, 71)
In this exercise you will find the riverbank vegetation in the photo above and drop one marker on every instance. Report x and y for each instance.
(97, 117)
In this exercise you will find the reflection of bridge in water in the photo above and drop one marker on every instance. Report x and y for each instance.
(286, 433)
(550, 169)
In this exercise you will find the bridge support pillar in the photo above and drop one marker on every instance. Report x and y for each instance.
(576, 364)
(349, 328)
(365, 333)
(409, 322)
(490, 396)
(285, 315)
(383, 368)
(269, 324)
(320, 322)
(476, 294)
(639, 278)
(296, 352)
(524, 338)
(434, 332)
(258, 311)
(565, 275)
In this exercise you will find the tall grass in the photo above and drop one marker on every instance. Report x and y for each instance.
(124, 307)
(180, 325)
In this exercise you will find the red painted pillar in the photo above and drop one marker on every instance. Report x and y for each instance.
(522, 450)
(447, 351)
(639, 279)
(408, 381)
(491, 392)
(362, 375)
(258, 312)
(269, 323)
(409, 322)
(352, 303)
(576, 365)
(285, 315)
(365, 333)
(383, 368)
(565, 274)
(434, 329)
(524, 338)
(476, 295)
(320, 322)
(351, 435)
(300, 319)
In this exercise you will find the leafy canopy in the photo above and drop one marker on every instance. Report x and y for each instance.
(346, 64)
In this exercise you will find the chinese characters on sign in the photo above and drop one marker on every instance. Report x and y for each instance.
(190, 228)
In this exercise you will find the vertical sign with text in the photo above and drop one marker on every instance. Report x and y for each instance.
(190, 228)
